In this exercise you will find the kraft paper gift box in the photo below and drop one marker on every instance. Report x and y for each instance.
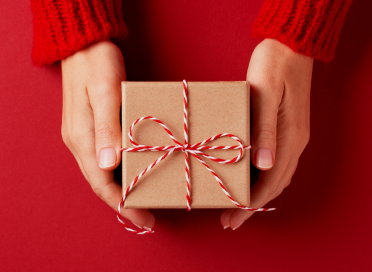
(213, 108)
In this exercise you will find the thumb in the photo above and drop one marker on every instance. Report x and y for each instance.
(106, 110)
(264, 110)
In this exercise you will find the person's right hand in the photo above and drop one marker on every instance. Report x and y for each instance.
(91, 121)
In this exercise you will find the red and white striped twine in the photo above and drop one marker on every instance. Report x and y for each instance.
(194, 150)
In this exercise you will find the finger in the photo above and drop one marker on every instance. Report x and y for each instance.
(150, 221)
(103, 184)
(105, 100)
(67, 142)
(66, 137)
(291, 169)
(82, 140)
(264, 107)
(78, 160)
(266, 185)
(290, 145)
(292, 166)
(265, 99)
(286, 180)
(225, 218)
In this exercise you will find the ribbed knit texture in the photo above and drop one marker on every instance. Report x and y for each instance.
(62, 27)
(310, 27)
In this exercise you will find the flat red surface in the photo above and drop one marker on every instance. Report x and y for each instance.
(50, 220)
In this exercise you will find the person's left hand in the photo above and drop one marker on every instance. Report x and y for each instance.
(280, 81)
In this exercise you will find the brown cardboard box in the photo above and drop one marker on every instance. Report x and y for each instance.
(213, 108)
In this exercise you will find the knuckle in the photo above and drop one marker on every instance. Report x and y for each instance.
(297, 135)
(295, 131)
(267, 131)
(304, 140)
(307, 137)
(101, 189)
(105, 131)
(77, 138)
(104, 88)
(287, 183)
(65, 137)
(97, 190)
(279, 191)
(273, 188)
(264, 83)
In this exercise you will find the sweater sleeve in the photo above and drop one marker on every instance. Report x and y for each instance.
(62, 27)
(310, 27)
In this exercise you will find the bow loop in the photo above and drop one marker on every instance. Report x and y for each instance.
(201, 146)
(130, 133)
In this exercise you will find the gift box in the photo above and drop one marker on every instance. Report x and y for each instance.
(213, 108)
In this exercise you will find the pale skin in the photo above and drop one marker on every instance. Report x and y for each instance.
(280, 101)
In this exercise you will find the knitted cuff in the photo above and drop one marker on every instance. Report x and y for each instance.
(310, 27)
(62, 27)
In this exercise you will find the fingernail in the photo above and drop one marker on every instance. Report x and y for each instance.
(147, 228)
(264, 158)
(225, 227)
(107, 157)
(136, 225)
(238, 225)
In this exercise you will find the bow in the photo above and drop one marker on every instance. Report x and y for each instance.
(195, 150)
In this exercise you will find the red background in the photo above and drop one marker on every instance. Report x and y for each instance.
(51, 220)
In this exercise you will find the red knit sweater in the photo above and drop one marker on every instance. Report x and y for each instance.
(62, 27)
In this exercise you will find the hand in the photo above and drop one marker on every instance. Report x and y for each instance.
(91, 121)
(280, 82)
